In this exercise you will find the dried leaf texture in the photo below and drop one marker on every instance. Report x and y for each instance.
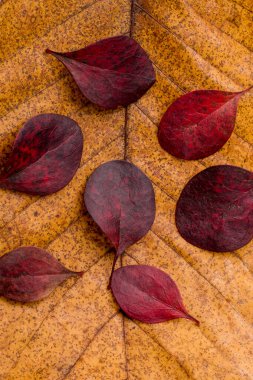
(77, 332)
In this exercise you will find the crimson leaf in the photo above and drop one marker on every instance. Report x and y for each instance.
(29, 274)
(45, 156)
(148, 294)
(199, 123)
(215, 209)
(110, 73)
(120, 198)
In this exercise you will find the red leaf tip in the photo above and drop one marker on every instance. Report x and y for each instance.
(193, 319)
(240, 93)
(48, 51)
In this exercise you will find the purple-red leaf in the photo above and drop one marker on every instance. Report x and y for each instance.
(29, 274)
(148, 294)
(199, 123)
(110, 73)
(120, 198)
(215, 209)
(45, 156)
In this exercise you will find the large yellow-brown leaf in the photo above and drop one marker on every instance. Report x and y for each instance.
(78, 332)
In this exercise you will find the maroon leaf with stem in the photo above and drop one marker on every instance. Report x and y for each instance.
(215, 209)
(112, 72)
(148, 294)
(120, 198)
(45, 156)
(199, 123)
(29, 274)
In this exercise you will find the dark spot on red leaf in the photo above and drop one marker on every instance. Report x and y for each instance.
(215, 209)
(199, 123)
(29, 274)
(45, 156)
(112, 72)
(148, 294)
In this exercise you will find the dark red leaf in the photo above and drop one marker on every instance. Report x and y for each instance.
(215, 209)
(29, 274)
(112, 72)
(120, 198)
(45, 156)
(148, 294)
(199, 123)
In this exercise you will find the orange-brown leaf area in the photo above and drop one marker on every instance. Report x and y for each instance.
(78, 332)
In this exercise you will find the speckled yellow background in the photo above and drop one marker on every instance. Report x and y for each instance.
(78, 333)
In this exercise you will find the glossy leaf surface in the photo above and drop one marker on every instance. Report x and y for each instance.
(199, 123)
(120, 198)
(45, 155)
(215, 209)
(29, 274)
(112, 72)
(148, 294)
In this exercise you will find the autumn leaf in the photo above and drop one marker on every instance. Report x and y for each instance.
(29, 274)
(148, 294)
(215, 209)
(198, 123)
(113, 72)
(78, 331)
(45, 156)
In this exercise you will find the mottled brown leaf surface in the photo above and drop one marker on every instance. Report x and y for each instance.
(78, 332)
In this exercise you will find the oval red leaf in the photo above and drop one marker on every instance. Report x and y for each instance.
(199, 123)
(215, 209)
(29, 274)
(148, 294)
(45, 156)
(110, 73)
(120, 198)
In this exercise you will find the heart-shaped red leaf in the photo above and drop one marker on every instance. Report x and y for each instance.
(148, 294)
(199, 123)
(215, 209)
(29, 274)
(45, 156)
(120, 198)
(110, 73)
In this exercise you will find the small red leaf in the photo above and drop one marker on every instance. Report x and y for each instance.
(199, 123)
(29, 274)
(215, 209)
(45, 156)
(110, 73)
(148, 294)
(120, 198)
